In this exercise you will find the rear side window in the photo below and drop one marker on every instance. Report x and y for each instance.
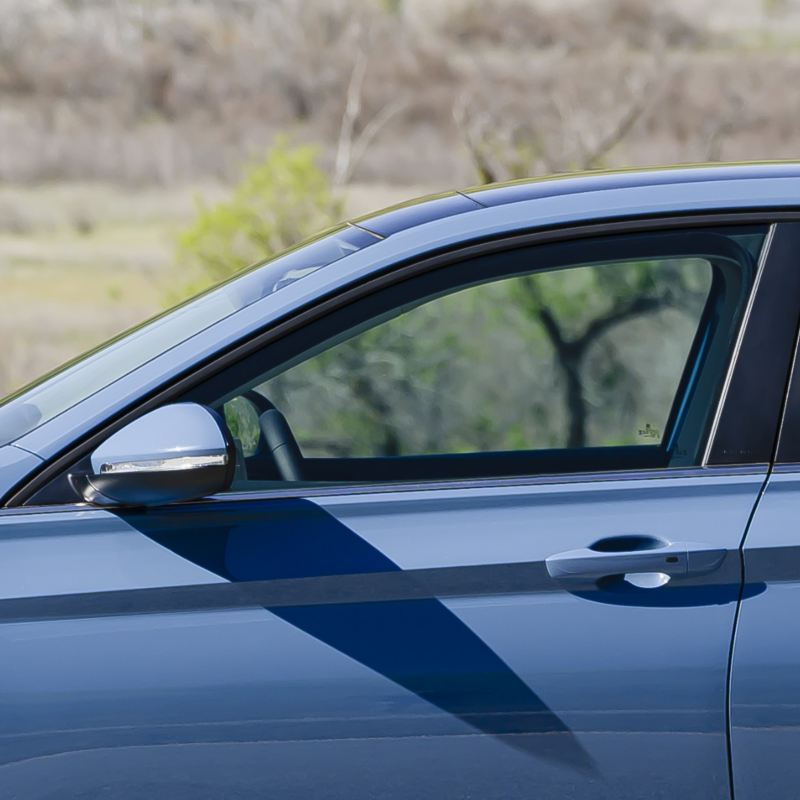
(589, 355)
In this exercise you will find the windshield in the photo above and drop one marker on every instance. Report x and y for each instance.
(53, 394)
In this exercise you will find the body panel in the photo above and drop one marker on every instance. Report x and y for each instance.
(765, 672)
(765, 667)
(495, 687)
(15, 464)
(525, 189)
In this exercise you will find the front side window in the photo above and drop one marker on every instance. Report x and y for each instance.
(598, 354)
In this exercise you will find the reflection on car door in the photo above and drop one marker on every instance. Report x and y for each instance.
(411, 644)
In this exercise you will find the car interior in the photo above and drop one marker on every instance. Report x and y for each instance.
(278, 457)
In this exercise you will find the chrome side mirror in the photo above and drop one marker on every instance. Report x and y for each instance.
(178, 452)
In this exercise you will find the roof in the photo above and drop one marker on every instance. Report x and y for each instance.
(433, 207)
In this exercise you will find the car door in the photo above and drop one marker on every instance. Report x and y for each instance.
(479, 559)
(765, 689)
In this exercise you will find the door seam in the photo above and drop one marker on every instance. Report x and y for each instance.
(734, 629)
(743, 576)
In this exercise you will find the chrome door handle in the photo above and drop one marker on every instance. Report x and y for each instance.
(634, 555)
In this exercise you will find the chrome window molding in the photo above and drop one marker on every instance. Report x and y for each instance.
(363, 489)
(787, 468)
(673, 473)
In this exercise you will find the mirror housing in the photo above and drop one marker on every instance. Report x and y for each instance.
(178, 452)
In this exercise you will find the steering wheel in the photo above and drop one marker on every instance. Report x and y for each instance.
(277, 437)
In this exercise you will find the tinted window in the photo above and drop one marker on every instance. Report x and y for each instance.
(600, 354)
(561, 359)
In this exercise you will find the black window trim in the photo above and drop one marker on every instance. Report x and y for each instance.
(356, 490)
(24, 494)
(787, 447)
(752, 402)
(733, 269)
(740, 336)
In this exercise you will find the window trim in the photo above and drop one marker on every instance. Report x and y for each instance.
(694, 391)
(760, 386)
(787, 447)
(740, 335)
(352, 490)
(24, 494)
(549, 479)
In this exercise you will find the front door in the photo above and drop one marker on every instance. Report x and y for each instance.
(473, 549)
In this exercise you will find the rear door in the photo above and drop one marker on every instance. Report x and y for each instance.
(506, 562)
(765, 679)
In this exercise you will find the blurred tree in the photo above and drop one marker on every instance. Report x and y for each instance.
(521, 148)
(569, 358)
(604, 300)
(279, 202)
(425, 382)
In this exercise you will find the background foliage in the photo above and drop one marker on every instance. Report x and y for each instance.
(115, 117)
(280, 201)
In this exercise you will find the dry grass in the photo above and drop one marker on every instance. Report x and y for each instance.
(67, 288)
(64, 292)
(112, 115)
(167, 92)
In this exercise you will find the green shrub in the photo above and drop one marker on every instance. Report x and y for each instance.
(279, 202)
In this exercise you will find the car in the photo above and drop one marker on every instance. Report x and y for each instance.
(491, 495)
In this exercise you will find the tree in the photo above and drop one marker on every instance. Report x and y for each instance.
(279, 202)
(518, 146)
(614, 296)
(521, 147)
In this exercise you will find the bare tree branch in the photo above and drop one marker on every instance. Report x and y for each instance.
(641, 102)
(371, 130)
(548, 320)
(352, 145)
(722, 128)
(525, 148)
(352, 110)
(571, 352)
(637, 307)
(486, 172)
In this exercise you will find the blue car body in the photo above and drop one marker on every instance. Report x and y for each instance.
(410, 641)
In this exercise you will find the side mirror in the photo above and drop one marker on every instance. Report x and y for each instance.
(178, 452)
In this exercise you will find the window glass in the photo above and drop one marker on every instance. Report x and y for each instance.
(592, 355)
(589, 356)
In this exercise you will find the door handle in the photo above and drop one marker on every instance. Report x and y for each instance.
(635, 555)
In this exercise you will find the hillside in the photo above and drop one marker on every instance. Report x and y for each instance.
(115, 116)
